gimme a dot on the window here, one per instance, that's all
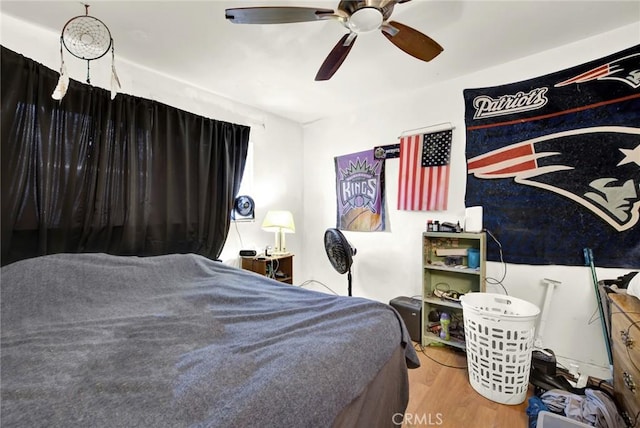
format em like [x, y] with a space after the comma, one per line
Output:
[246, 186]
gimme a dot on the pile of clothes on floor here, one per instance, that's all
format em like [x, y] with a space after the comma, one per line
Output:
[595, 407]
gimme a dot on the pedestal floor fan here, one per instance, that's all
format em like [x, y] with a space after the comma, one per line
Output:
[340, 253]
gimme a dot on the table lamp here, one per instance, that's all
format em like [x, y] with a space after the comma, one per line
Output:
[280, 222]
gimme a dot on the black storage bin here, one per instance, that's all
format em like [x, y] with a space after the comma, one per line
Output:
[410, 310]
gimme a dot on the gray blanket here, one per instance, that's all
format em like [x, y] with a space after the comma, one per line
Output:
[97, 340]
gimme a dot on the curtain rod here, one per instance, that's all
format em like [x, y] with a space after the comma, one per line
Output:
[445, 126]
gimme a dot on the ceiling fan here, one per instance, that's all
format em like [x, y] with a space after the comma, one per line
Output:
[358, 16]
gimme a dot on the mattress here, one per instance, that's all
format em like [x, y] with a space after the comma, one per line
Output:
[181, 340]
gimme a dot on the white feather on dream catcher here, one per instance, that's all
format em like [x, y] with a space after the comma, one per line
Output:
[87, 38]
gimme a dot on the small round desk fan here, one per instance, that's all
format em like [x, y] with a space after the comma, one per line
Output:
[340, 253]
[243, 208]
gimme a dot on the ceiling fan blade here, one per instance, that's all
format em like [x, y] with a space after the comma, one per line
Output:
[411, 41]
[276, 15]
[336, 57]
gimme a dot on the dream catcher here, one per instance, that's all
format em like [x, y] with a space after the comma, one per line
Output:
[87, 38]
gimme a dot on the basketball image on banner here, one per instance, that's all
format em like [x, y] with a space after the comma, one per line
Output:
[360, 192]
[555, 163]
[423, 183]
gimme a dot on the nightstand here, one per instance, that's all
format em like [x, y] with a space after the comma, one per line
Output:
[279, 268]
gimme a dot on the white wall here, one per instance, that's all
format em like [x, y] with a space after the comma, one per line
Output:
[277, 141]
[388, 264]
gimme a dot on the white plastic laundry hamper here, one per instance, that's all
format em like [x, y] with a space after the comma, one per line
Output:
[499, 331]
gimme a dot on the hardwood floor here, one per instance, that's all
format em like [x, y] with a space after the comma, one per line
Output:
[443, 397]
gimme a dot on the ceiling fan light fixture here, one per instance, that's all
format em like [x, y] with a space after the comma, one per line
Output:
[357, 16]
[365, 20]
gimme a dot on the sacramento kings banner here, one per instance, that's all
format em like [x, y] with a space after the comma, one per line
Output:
[555, 163]
[360, 192]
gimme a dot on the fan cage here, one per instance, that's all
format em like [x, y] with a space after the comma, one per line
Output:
[338, 250]
[243, 208]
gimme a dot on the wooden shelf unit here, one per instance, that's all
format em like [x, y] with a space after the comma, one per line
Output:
[438, 276]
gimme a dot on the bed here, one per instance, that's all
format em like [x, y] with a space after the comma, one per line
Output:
[179, 340]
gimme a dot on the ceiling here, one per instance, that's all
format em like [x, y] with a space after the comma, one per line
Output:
[272, 67]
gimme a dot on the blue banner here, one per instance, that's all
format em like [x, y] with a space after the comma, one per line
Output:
[555, 163]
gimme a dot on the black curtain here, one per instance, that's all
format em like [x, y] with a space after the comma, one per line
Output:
[127, 176]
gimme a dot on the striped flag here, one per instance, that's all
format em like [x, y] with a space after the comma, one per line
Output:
[423, 183]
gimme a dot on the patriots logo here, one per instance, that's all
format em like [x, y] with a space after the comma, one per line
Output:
[626, 70]
[598, 168]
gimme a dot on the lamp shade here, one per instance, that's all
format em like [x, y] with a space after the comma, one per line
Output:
[279, 221]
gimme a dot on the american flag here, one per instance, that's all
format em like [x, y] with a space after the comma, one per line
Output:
[423, 183]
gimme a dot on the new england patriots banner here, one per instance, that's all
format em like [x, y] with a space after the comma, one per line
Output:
[555, 163]
[360, 192]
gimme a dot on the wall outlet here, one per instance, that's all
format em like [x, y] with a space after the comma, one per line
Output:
[574, 370]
